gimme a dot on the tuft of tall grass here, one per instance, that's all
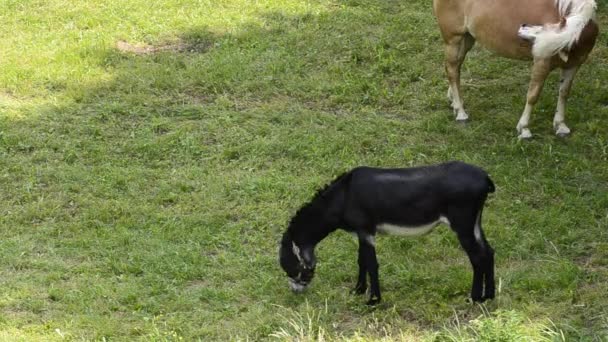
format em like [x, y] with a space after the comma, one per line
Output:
[498, 326]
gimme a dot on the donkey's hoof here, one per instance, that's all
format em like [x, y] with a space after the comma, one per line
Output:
[525, 134]
[478, 299]
[562, 135]
[463, 122]
[359, 290]
[373, 301]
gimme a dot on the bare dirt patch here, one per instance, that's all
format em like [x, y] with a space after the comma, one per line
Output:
[173, 46]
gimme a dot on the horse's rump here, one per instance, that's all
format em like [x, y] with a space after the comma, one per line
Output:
[555, 33]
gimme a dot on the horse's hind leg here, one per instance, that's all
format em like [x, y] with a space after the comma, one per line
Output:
[456, 49]
[565, 84]
[540, 70]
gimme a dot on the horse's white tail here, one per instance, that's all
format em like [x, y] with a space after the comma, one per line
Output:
[553, 39]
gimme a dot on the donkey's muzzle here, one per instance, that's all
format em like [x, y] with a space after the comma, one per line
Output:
[297, 285]
[300, 282]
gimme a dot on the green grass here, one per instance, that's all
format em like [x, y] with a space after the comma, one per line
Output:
[151, 154]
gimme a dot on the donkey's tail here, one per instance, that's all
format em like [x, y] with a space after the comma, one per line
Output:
[558, 38]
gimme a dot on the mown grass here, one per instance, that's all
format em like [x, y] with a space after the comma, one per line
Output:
[152, 153]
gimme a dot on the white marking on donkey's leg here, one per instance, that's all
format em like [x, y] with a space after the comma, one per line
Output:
[371, 240]
[477, 229]
[564, 90]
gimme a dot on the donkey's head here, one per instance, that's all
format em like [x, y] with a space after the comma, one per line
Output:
[298, 262]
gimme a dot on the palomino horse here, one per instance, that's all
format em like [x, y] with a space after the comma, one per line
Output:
[554, 33]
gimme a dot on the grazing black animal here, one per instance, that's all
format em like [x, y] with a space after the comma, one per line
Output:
[407, 201]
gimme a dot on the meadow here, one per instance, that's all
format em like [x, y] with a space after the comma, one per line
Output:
[152, 153]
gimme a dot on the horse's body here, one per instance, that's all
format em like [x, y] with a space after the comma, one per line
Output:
[554, 33]
[403, 201]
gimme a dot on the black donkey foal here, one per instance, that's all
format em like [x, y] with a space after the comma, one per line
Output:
[408, 201]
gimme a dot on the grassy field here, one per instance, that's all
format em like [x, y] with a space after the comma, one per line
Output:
[152, 153]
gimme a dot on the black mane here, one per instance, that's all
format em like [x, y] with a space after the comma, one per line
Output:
[318, 199]
[322, 193]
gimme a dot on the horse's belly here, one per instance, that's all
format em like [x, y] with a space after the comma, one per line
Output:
[501, 40]
[514, 50]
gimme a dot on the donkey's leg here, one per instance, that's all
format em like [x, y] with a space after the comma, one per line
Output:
[466, 222]
[361, 286]
[565, 84]
[473, 249]
[455, 51]
[540, 71]
[489, 290]
[366, 244]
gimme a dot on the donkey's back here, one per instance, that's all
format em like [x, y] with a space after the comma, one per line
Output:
[451, 179]
[411, 197]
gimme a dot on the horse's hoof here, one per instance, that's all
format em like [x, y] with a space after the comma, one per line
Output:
[562, 130]
[462, 122]
[462, 117]
[525, 134]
